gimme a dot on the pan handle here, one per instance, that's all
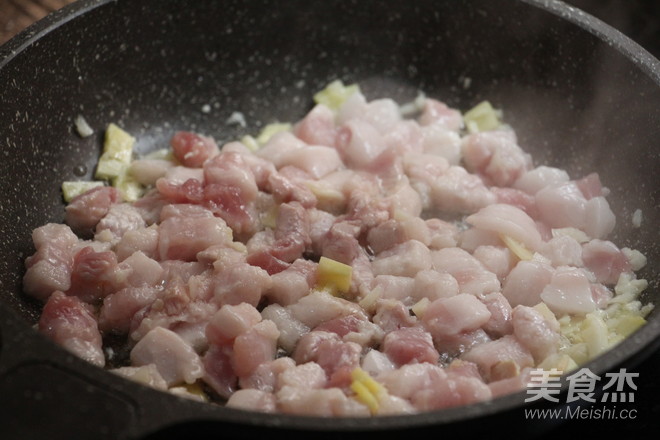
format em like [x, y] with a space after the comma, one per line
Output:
[46, 392]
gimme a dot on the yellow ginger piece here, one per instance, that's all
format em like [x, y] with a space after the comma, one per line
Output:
[628, 324]
[272, 129]
[594, 332]
[334, 275]
[115, 162]
[254, 143]
[117, 153]
[71, 189]
[250, 142]
[366, 389]
[335, 94]
[420, 307]
[518, 249]
[482, 117]
[192, 391]
[128, 187]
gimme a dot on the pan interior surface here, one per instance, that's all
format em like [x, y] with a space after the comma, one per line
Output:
[155, 67]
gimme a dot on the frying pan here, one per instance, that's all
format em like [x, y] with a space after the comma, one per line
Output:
[580, 95]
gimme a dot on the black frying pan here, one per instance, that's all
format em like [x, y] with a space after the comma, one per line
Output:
[580, 95]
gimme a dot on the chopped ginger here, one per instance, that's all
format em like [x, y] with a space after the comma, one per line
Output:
[117, 153]
[517, 248]
[71, 189]
[628, 324]
[334, 275]
[270, 130]
[482, 117]
[420, 307]
[366, 389]
[128, 187]
[335, 94]
[192, 391]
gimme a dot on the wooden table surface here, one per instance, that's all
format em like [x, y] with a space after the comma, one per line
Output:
[16, 15]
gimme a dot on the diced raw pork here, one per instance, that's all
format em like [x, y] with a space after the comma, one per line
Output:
[405, 259]
[49, 268]
[340, 243]
[317, 127]
[291, 330]
[569, 291]
[324, 402]
[265, 376]
[175, 360]
[320, 306]
[457, 191]
[93, 275]
[146, 375]
[526, 281]
[506, 349]
[500, 322]
[591, 186]
[254, 347]
[517, 198]
[150, 205]
[439, 141]
[336, 357]
[315, 160]
[538, 334]
[564, 205]
[69, 322]
[218, 370]
[438, 113]
[359, 143]
[376, 362]
[147, 171]
[230, 321]
[181, 238]
[391, 315]
[471, 275]
[442, 234]
[192, 149]
[391, 232]
[496, 259]
[119, 308]
[455, 314]
[139, 270]
[253, 400]
[394, 287]
[510, 221]
[513, 384]
[292, 283]
[144, 240]
[241, 282]
[432, 285]
[538, 178]
[496, 156]
[278, 146]
[84, 212]
[456, 390]
[562, 250]
[307, 375]
[119, 219]
[410, 345]
[353, 328]
[463, 259]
